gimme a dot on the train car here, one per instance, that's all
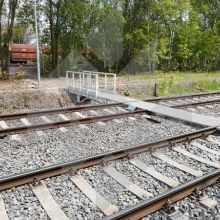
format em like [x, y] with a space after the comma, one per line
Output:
[22, 53]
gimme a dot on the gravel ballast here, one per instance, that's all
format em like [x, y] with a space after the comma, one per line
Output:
[33, 99]
[22, 204]
[56, 146]
[71, 200]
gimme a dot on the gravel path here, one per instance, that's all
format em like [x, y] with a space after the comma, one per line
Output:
[208, 109]
[201, 153]
[55, 147]
[195, 211]
[211, 110]
[209, 144]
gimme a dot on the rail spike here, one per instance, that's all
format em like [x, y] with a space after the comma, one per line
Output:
[130, 156]
[72, 172]
[169, 208]
[197, 194]
[36, 182]
[103, 163]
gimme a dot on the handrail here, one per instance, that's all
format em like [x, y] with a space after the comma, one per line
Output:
[89, 82]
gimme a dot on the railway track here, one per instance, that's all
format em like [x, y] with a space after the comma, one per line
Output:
[175, 190]
[16, 180]
[82, 172]
[159, 202]
[103, 106]
[65, 121]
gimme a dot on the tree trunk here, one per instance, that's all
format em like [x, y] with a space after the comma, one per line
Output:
[1, 9]
[54, 14]
[5, 48]
[172, 35]
[56, 38]
[5, 58]
[93, 60]
[51, 33]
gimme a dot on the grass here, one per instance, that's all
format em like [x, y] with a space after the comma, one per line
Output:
[175, 83]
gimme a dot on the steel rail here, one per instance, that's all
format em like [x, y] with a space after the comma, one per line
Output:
[59, 110]
[183, 96]
[59, 124]
[93, 107]
[74, 165]
[196, 103]
[156, 203]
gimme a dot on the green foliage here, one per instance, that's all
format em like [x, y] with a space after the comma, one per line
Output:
[127, 93]
[20, 34]
[166, 35]
[5, 75]
[19, 74]
[45, 64]
[169, 88]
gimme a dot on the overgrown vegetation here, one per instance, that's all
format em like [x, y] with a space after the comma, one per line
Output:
[168, 84]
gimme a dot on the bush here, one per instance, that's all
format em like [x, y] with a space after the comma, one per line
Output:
[127, 93]
[5, 75]
[19, 75]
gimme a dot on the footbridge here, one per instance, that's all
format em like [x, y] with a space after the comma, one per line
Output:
[103, 86]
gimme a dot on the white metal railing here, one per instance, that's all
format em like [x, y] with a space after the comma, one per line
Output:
[90, 83]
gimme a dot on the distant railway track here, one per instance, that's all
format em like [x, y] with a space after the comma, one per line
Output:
[196, 104]
[88, 120]
[56, 111]
[66, 123]
[102, 106]
[184, 96]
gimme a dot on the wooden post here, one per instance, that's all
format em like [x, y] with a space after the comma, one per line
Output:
[155, 90]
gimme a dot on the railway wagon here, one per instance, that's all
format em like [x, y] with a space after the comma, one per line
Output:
[22, 53]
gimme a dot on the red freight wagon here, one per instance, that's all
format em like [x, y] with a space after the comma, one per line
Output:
[23, 52]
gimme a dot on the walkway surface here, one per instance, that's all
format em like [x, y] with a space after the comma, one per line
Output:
[163, 110]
